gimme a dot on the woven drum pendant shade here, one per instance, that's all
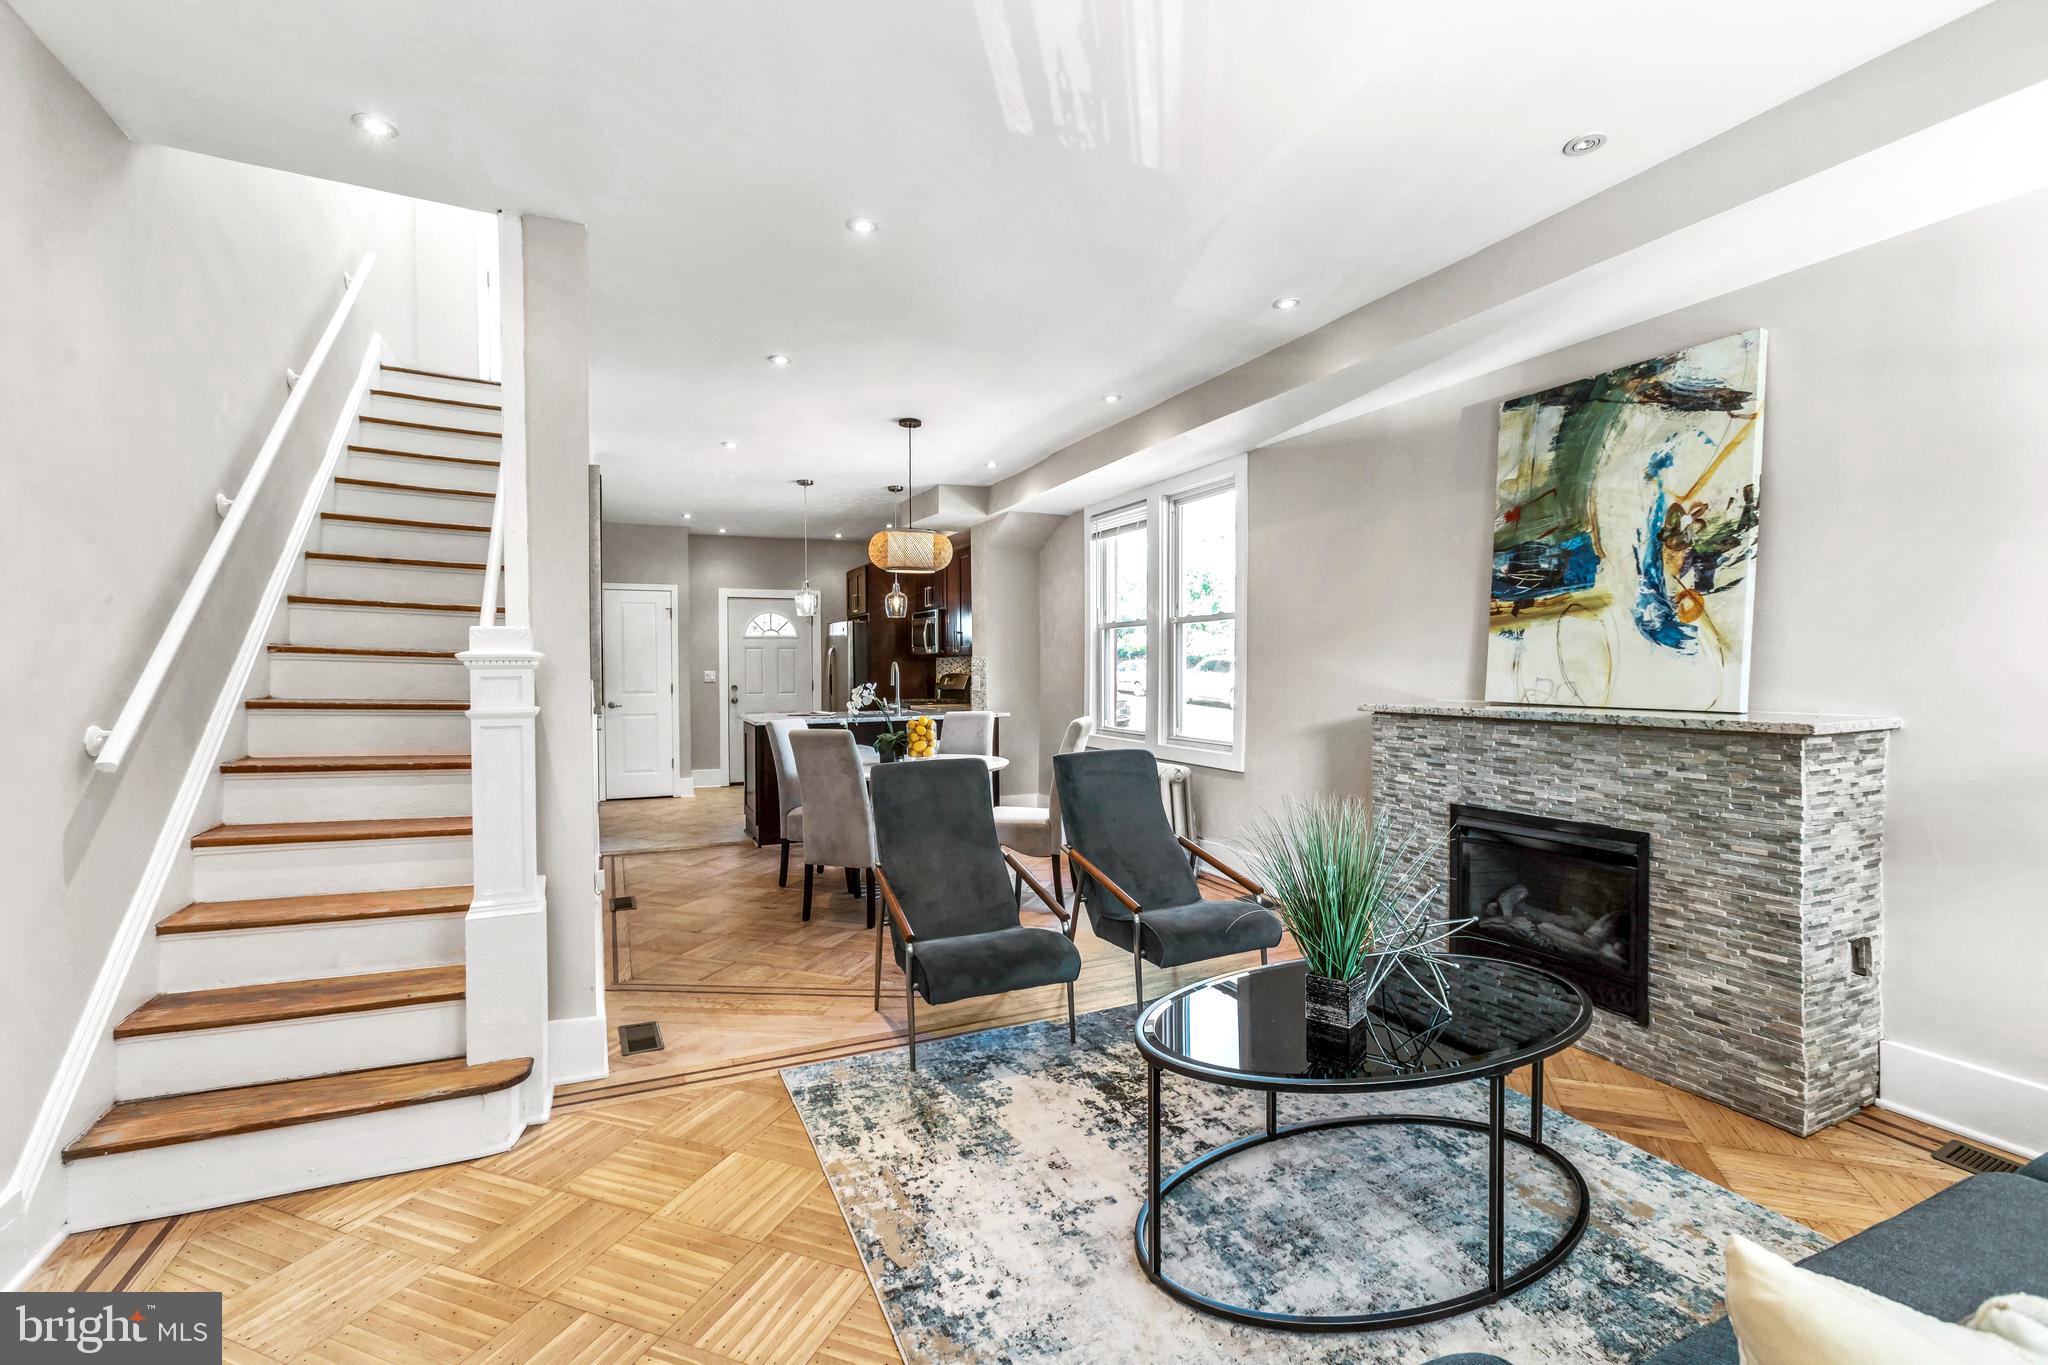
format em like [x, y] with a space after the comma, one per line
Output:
[909, 550]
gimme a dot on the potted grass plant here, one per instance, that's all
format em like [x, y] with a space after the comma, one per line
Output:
[1359, 905]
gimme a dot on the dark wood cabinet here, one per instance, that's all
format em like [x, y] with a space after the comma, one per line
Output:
[857, 591]
[959, 590]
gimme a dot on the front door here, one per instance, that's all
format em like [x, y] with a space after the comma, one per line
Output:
[639, 692]
[768, 666]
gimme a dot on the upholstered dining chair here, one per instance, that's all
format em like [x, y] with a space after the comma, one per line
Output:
[788, 789]
[1136, 877]
[968, 732]
[839, 823]
[1035, 831]
[952, 917]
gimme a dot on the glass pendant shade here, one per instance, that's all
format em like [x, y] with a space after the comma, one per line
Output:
[807, 601]
[806, 598]
[896, 605]
[909, 551]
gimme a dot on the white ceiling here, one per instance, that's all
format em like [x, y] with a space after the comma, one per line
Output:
[1076, 197]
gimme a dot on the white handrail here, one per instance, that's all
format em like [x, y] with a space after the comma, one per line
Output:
[494, 556]
[110, 747]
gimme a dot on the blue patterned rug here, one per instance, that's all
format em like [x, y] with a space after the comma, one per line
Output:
[992, 1196]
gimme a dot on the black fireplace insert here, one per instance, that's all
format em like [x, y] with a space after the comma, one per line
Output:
[1570, 897]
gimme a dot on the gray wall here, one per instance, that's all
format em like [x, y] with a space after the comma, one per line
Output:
[1903, 487]
[659, 554]
[557, 292]
[1006, 639]
[152, 302]
[1063, 632]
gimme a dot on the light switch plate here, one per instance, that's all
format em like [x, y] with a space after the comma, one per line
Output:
[710, 675]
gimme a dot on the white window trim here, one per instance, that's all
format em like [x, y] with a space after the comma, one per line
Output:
[1159, 634]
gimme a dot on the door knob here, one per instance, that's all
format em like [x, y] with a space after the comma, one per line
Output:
[613, 705]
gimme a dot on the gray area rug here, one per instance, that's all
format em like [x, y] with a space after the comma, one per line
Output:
[992, 1197]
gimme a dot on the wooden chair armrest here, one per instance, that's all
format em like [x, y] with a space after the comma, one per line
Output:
[1095, 875]
[1038, 888]
[1225, 868]
[895, 908]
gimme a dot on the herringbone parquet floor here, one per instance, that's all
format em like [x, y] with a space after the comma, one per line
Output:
[675, 1214]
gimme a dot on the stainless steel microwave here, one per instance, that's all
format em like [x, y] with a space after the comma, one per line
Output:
[925, 630]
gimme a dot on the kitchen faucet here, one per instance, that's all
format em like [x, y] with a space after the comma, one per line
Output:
[896, 683]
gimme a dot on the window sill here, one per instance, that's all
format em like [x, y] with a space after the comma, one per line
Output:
[1194, 756]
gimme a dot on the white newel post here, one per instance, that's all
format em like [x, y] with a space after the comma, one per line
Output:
[506, 930]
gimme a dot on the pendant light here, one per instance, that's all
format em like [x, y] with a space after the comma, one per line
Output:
[807, 596]
[908, 550]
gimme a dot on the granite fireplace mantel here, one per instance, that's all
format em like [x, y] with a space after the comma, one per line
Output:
[1766, 889]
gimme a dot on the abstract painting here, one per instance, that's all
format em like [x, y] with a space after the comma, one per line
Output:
[1624, 540]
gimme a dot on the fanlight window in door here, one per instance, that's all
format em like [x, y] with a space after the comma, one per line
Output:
[769, 625]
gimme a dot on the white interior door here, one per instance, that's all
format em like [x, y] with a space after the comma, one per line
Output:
[639, 692]
[768, 666]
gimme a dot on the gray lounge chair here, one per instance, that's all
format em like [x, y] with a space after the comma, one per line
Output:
[952, 914]
[1136, 877]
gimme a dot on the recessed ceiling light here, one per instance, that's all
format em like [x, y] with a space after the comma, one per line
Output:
[1287, 303]
[1584, 143]
[383, 129]
[862, 226]
[730, 445]
[991, 464]
[1112, 398]
[838, 535]
[888, 526]
[686, 516]
[778, 359]
[721, 530]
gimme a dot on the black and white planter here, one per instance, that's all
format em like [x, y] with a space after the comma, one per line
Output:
[1339, 1004]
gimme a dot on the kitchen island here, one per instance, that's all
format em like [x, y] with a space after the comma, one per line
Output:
[762, 801]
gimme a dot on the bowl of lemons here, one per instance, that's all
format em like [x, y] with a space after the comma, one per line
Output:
[921, 738]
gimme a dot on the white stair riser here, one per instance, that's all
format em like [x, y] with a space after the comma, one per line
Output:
[244, 957]
[393, 582]
[343, 675]
[270, 798]
[368, 627]
[273, 733]
[361, 464]
[214, 1059]
[426, 442]
[385, 502]
[233, 874]
[160, 1181]
[401, 542]
[439, 414]
[468, 390]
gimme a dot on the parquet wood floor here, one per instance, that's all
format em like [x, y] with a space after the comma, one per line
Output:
[675, 1214]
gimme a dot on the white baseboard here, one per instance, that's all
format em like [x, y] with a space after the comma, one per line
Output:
[576, 1050]
[685, 786]
[1974, 1101]
[707, 778]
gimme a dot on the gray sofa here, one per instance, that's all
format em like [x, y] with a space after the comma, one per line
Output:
[1987, 1235]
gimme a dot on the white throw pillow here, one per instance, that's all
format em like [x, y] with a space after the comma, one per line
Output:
[1785, 1315]
[2021, 1319]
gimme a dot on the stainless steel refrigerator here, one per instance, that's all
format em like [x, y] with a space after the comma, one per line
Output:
[846, 662]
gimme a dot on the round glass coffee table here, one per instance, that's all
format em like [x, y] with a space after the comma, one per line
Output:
[1250, 1030]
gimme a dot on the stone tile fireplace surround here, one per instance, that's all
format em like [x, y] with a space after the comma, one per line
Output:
[1766, 876]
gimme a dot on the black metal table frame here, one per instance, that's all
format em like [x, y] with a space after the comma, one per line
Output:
[1499, 1284]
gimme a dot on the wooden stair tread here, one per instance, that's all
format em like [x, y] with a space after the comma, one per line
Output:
[359, 519]
[136, 1125]
[348, 763]
[438, 374]
[433, 398]
[232, 1006]
[421, 455]
[356, 704]
[429, 426]
[365, 651]
[332, 831]
[330, 557]
[386, 604]
[431, 489]
[279, 912]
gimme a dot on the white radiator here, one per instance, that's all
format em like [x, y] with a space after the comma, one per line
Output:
[1178, 797]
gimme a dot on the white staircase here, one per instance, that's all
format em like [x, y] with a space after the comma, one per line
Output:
[313, 1020]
